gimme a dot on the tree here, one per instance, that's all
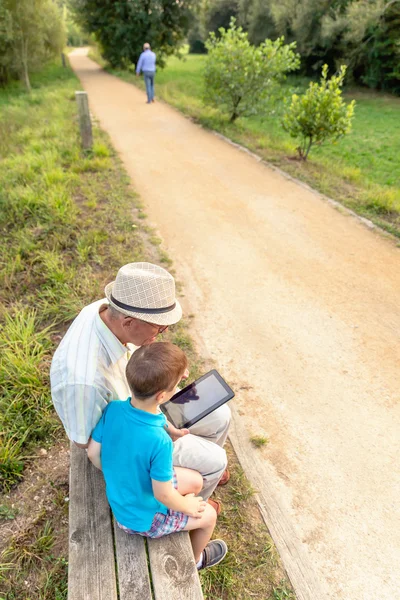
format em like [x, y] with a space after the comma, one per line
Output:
[319, 114]
[219, 14]
[260, 23]
[31, 32]
[240, 78]
[381, 67]
[122, 27]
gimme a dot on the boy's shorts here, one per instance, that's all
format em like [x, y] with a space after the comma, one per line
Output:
[163, 524]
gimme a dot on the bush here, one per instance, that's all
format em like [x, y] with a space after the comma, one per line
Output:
[241, 78]
[320, 113]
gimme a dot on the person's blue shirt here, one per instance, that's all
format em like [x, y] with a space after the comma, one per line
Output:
[146, 62]
[135, 448]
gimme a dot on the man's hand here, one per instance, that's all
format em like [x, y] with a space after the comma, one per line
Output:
[175, 433]
[185, 374]
[195, 506]
[137, 75]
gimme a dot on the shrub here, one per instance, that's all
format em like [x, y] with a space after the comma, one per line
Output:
[241, 78]
[320, 114]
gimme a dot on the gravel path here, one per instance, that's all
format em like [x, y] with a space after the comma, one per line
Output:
[298, 304]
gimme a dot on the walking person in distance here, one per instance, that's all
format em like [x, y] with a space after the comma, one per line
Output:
[147, 65]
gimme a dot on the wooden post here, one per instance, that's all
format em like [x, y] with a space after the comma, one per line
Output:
[64, 62]
[85, 123]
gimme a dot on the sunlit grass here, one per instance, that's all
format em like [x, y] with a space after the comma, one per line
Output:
[59, 208]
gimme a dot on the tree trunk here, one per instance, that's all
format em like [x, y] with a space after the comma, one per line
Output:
[24, 61]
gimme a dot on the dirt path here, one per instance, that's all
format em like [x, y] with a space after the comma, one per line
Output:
[299, 306]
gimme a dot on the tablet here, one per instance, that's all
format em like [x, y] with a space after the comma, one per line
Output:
[197, 400]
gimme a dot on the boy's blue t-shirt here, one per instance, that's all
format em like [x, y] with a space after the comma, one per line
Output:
[135, 448]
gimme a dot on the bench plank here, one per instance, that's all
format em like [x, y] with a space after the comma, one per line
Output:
[91, 567]
[173, 569]
[133, 575]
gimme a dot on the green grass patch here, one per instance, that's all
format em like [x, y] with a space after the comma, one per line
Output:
[362, 170]
[66, 224]
[259, 441]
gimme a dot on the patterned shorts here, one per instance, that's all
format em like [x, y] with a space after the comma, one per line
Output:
[163, 524]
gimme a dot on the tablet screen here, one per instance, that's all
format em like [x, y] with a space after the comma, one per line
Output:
[197, 400]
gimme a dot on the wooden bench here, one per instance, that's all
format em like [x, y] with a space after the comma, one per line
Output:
[105, 563]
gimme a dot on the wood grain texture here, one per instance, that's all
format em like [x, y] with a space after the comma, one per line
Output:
[91, 566]
[293, 552]
[133, 574]
[173, 569]
[85, 122]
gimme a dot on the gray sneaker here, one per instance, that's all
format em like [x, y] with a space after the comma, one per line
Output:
[213, 553]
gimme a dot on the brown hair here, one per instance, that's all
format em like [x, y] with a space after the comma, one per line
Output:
[155, 368]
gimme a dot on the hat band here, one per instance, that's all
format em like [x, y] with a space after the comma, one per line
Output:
[148, 311]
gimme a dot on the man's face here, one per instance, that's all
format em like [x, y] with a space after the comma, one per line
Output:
[141, 333]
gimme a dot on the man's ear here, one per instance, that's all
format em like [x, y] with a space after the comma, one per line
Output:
[127, 321]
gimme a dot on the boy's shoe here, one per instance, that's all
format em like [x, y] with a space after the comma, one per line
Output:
[216, 505]
[213, 553]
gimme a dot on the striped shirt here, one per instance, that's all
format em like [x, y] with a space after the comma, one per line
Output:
[87, 372]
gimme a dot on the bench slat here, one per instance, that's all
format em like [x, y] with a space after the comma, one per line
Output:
[133, 576]
[91, 567]
[173, 569]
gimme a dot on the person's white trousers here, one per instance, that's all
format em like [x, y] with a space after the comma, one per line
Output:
[202, 450]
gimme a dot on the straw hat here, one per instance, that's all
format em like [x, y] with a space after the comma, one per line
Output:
[146, 292]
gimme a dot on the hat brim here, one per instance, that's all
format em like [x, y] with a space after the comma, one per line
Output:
[169, 318]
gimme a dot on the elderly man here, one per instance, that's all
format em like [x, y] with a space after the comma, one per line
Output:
[147, 64]
[88, 367]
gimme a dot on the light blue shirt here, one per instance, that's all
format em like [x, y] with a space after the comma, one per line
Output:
[146, 62]
[135, 448]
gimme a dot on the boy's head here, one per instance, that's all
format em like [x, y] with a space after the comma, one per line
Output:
[155, 368]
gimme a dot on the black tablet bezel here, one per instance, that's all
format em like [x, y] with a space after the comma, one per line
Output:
[229, 395]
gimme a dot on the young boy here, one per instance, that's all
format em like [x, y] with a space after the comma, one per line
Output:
[147, 495]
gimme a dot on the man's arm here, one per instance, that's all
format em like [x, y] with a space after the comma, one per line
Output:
[82, 445]
[79, 407]
[139, 64]
[166, 494]
[94, 452]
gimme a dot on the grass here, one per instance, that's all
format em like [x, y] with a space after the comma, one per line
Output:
[259, 441]
[69, 220]
[362, 171]
[67, 224]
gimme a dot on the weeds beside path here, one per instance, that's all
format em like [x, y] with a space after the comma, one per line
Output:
[68, 221]
[362, 171]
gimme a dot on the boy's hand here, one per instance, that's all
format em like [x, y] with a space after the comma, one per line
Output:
[175, 433]
[195, 506]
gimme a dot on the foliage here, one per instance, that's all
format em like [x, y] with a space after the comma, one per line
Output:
[196, 37]
[219, 14]
[240, 78]
[379, 64]
[320, 114]
[121, 28]
[364, 34]
[31, 32]
[260, 22]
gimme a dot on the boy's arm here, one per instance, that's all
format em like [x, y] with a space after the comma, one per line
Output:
[175, 433]
[166, 494]
[94, 451]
